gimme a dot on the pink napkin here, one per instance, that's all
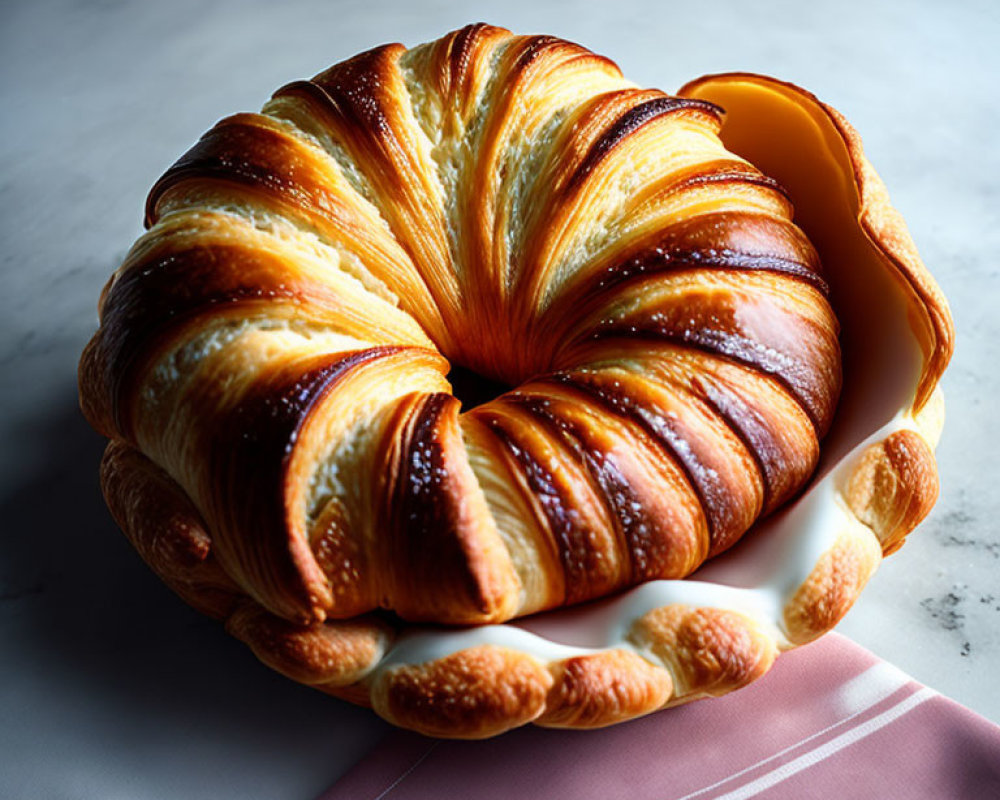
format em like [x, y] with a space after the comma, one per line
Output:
[829, 721]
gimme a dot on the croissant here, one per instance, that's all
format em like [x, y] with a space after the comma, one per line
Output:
[651, 282]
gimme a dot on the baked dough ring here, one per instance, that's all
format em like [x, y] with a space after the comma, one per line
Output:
[272, 344]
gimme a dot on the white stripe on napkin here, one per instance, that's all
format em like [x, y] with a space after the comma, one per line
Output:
[824, 751]
[854, 698]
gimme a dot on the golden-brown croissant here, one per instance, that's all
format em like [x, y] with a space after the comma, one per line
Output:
[287, 453]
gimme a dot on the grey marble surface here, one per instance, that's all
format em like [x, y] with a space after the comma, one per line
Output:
[109, 686]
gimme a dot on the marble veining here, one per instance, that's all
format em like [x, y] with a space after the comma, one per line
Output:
[109, 685]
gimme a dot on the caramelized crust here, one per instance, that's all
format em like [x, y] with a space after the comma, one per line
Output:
[473, 694]
[833, 585]
[166, 530]
[599, 690]
[708, 651]
[286, 450]
[894, 487]
[328, 655]
[445, 561]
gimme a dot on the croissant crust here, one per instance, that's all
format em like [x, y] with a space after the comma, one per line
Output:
[286, 451]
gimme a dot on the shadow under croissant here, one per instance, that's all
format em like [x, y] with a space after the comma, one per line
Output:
[96, 645]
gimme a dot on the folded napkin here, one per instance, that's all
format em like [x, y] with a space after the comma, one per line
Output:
[829, 721]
